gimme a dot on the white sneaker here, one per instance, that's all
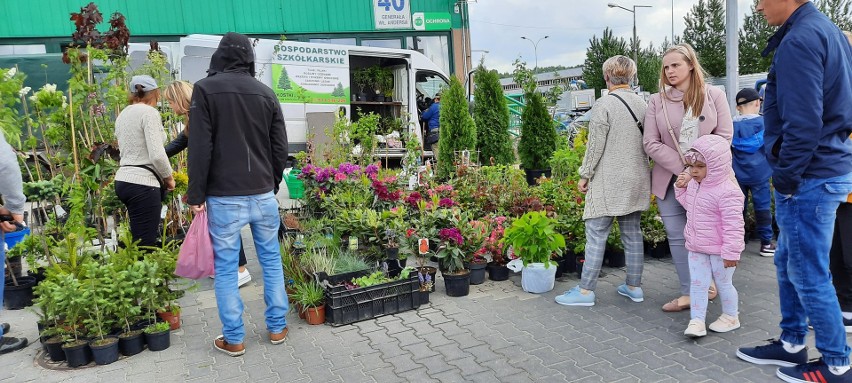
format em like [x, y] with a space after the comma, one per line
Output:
[244, 277]
[725, 323]
[695, 329]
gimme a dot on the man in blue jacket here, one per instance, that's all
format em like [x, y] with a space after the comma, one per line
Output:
[432, 117]
[808, 116]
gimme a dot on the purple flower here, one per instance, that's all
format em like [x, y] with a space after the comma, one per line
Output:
[451, 234]
[371, 169]
[348, 168]
[446, 203]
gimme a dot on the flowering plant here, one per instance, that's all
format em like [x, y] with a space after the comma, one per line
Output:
[492, 246]
[653, 230]
[450, 251]
[387, 192]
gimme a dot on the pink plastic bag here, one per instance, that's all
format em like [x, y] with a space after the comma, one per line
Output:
[195, 260]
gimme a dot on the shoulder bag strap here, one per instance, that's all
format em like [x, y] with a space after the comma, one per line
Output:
[163, 191]
[671, 131]
[638, 123]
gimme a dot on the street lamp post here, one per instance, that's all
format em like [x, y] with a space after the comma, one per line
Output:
[535, 47]
[635, 41]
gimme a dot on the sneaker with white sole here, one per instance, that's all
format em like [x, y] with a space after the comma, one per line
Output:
[767, 250]
[847, 323]
[773, 353]
[725, 323]
[575, 297]
[634, 293]
[695, 329]
[816, 371]
[244, 277]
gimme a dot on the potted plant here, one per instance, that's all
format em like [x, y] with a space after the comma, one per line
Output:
[387, 84]
[47, 294]
[534, 238]
[451, 258]
[538, 139]
[73, 305]
[474, 233]
[377, 80]
[157, 334]
[311, 297]
[654, 232]
[361, 77]
[100, 317]
[125, 296]
[492, 247]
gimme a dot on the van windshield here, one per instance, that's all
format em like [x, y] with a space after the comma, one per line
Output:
[428, 85]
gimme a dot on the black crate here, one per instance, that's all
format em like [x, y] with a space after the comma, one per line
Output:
[348, 306]
[337, 279]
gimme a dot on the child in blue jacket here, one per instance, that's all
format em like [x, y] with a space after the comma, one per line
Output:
[750, 165]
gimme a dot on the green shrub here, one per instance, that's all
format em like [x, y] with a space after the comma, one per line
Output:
[458, 131]
[538, 134]
[492, 119]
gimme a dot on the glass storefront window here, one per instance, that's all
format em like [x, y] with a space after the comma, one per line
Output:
[384, 43]
[342, 41]
[436, 48]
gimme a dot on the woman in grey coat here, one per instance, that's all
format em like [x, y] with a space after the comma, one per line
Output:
[615, 176]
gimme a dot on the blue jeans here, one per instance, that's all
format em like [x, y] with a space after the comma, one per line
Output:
[806, 220]
[226, 216]
[762, 200]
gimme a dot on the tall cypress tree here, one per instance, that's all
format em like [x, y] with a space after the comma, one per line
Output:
[705, 31]
[538, 134]
[492, 119]
[458, 132]
[753, 36]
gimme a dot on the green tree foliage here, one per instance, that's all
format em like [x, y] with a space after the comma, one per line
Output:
[599, 50]
[338, 90]
[705, 31]
[458, 131]
[284, 79]
[538, 134]
[492, 119]
[839, 11]
[648, 67]
[753, 36]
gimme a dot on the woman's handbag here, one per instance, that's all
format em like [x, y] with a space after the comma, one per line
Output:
[195, 260]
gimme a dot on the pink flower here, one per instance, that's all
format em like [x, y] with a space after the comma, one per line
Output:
[339, 177]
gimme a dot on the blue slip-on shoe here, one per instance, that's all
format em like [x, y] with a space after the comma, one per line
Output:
[816, 371]
[574, 297]
[773, 353]
[635, 295]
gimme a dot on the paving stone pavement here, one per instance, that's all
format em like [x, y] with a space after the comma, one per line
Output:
[497, 333]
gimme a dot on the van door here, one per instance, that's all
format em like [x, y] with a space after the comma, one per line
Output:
[427, 84]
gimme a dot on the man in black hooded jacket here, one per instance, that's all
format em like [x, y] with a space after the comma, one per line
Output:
[237, 156]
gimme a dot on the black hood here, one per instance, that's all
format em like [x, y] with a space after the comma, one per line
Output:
[234, 54]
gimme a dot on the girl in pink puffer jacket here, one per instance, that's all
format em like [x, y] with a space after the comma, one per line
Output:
[714, 230]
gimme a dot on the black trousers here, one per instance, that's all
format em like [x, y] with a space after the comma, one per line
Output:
[841, 256]
[143, 206]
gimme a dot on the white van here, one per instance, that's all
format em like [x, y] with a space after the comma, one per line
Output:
[315, 82]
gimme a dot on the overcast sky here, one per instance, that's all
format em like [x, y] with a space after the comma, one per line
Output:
[497, 26]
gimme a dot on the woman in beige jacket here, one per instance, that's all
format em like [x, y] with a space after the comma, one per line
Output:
[685, 109]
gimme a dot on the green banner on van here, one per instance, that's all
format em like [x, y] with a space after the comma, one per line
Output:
[431, 21]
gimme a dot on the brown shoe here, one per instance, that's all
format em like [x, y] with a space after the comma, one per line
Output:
[674, 306]
[278, 338]
[231, 349]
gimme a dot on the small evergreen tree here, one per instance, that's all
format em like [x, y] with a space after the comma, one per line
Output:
[458, 131]
[338, 90]
[538, 134]
[283, 79]
[705, 31]
[753, 36]
[492, 119]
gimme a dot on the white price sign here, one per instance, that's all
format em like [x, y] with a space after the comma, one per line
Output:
[392, 14]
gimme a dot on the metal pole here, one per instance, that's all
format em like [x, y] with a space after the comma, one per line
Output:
[635, 43]
[672, 22]
[732, 67]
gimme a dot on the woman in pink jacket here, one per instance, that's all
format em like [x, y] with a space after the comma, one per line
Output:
[686, 109]
[714, 230]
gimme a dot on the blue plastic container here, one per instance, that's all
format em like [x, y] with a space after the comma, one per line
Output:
[13, 238]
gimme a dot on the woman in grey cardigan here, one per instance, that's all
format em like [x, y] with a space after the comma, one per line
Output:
[615, 176]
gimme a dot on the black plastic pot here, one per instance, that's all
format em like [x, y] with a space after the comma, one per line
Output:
[395, 266]
[392, 253]
[158, 341]
[579, 265]
[77, 355]
[39, 276]
[20, 296]
[105, 353]
[457, 285]
[477, 272]
[661, 250]
[560, 269]
[614, 257]
[54, 349]
[131, 343]
[15, 266]
[424, 297]
[534, 174]
[497, 272]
